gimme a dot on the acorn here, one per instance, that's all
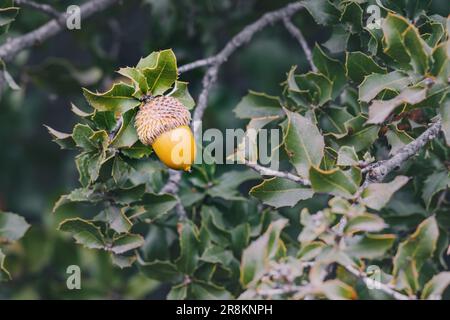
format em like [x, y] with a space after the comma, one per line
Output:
[163, 123]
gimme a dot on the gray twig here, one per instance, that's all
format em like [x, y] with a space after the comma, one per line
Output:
[377, 171]
[280, 174]
[13, 46]
[297, 34]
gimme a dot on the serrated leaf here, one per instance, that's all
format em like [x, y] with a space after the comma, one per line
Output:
[304, 143]
[84, 232]
[118, 99]
[377, 195]
[126, 243]
[336, 182]
[12, 226]
[417, 49]
[393, 27]
[277, 192]
[331, 68]
[256, 257]
[379, 110]
[181, 93]
[359, 65]
[375, 83]
[138, 79]
[413, 253]
[256, 105]
[137, 151]
[88, 166]
[160, 71]
[81, 135]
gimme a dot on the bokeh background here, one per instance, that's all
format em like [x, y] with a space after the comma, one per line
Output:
[34, 172]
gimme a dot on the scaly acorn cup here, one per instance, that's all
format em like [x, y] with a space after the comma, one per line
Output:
[163, 123]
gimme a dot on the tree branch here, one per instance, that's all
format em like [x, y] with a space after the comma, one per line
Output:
[13, 46]
[280, 174]
[376, 284]
[378, 171]
[244, 36]
[45, 8]
[297, 34]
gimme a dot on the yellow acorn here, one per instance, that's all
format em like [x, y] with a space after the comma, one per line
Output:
[163, 123]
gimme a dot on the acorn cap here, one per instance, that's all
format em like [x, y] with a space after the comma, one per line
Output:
[159, 115]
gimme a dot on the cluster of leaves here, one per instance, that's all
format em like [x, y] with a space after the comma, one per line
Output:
[8, 13]
[372, 93]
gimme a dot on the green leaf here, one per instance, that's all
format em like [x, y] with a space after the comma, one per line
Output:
[369, 246]
[164, 271]
[352, 16]
[360, 139]
[12, 226]
[88, 165]
[4, 273]
[84, 232]
[311, 88]
[365, 222]
[417, 49]
[336, 182]
[127, 136]
[377, 195]
[160, 71]
[128, 195]
[375, 83]
[310, 250]
[337, 290]
[189, 248]
[338, 40]
[397, 139]
[393, 27]
[118, 99]
[256, 257]
[201, 290]
[138, 79]
[178, 292]
[445, 117]
[347, 156]
[379, 110]
[137, 151]
[156, 206]
[304, 143]
[116, 219]
[7, 15]
[126, 243]
[435, 183]
[78, 195]
[256, 105]
[331, 68]
[227, 184]
[277, 192]
[413, 253]
[359, 65]
[323, 11]
[82, 136]
[181, 93]
[434, 288]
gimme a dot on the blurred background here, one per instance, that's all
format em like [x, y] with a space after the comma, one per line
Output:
[34, 172]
